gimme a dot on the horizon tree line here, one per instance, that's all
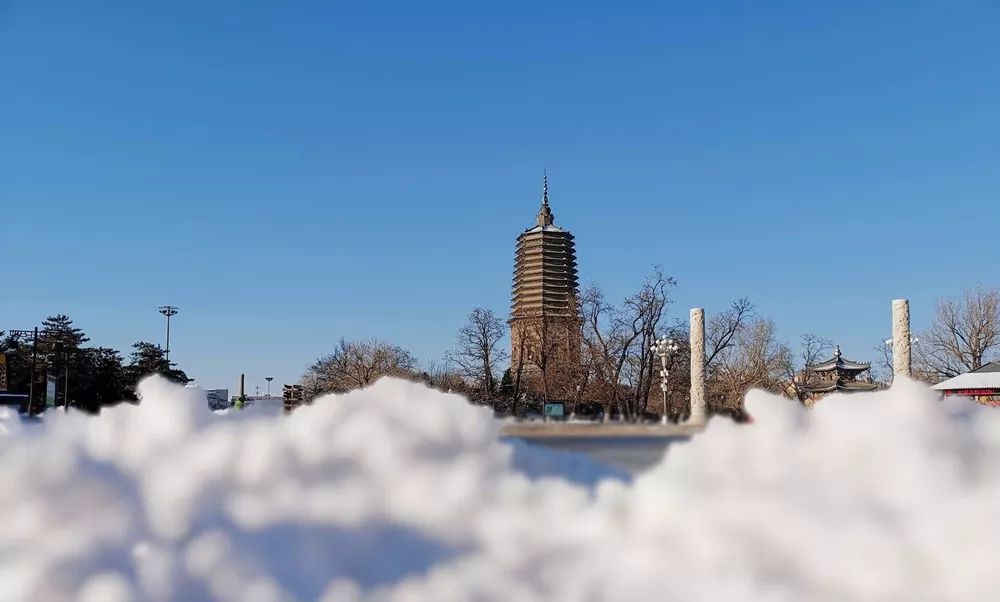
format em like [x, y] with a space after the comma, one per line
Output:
[618, 374]
[91, 377]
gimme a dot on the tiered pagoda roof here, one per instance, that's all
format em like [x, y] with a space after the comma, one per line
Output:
[545, 276]
[837, 374]
[841, 364]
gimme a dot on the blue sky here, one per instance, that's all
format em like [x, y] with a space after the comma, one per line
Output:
[290, 173]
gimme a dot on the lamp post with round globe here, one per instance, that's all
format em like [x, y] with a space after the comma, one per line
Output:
[665, 348]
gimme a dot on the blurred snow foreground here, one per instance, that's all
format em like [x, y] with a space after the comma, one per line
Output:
[398, 492]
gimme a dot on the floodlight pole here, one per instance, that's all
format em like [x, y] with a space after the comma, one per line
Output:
[168, 311]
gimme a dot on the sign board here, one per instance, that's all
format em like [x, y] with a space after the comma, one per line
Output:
[50, 391]
[554, 409]
[3, 372]
[218, 399]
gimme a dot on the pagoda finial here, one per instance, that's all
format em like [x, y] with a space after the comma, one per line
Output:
[837, 352]
[545, 217]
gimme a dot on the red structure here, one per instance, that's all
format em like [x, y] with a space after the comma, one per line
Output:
[981, 384]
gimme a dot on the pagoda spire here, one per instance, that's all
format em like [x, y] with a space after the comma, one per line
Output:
[545, 216]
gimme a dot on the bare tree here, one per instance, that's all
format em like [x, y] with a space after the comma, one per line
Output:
[965, 334]
[357, 364]
[477, 352]
[444, 377]
[883, 370]
[520, 356]
[723, 327]
[608, 339]
[755, 360]
[619, 340]
[811, 350]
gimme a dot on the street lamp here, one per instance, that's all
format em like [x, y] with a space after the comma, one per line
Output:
[665, 348]
[168, 311]
[269, 379]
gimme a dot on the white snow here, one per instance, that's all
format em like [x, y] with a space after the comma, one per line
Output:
[402, 493]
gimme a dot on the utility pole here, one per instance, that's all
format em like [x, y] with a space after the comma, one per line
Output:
[34, 364]
[66, 382]
[34, 361]
[168, 311]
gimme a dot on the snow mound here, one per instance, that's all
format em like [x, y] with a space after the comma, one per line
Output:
[401, 493]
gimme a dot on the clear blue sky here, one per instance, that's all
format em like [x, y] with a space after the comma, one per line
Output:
[290, 173]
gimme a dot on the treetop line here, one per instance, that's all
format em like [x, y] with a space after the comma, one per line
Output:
[596, 357]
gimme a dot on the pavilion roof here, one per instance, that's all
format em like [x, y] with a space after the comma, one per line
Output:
[850, 386]
[839, 362]
[985, 377]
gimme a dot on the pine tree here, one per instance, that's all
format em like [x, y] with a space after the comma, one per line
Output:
[149, 358]
[59, 328]
[18, 358]
[507, 385]
[100, 379]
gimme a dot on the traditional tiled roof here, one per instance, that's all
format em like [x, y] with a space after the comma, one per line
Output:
[847, 386]
[985, 377]
[840, 363]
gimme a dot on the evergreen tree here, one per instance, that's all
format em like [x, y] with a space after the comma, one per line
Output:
[149, 358]
[90, 377]
[506, 385]
[18, 355]
[100, 379]
[59, 329]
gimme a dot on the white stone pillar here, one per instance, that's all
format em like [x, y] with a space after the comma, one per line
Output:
[901, 338]
[697, 366]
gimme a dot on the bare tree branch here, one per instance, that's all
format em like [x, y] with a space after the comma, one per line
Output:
[357, 364]
[477, 353]
[965, 334]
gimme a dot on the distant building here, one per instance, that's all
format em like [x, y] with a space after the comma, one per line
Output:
[981, 384]
[836, 375]
[545, 324]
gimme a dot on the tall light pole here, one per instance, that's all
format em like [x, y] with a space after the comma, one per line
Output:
[665, 348]
[269, 379]
[168, 311]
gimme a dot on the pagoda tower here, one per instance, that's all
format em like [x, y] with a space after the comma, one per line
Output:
[545, 323]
